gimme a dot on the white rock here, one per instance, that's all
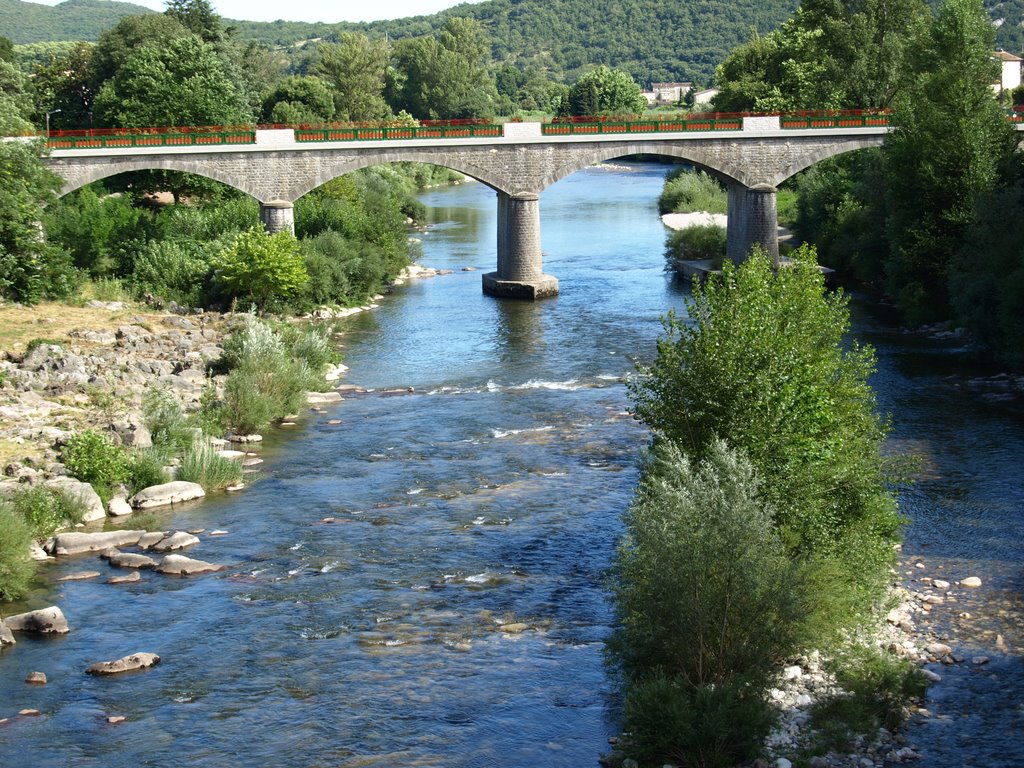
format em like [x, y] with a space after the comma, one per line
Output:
[36, 552]
[166, 494]
[82, 492]
[930, 676]
[321, 398]
[180, 565]
[792, 673]
[231, 454]
[46, 620]
[177, 540]
[6, 636]
[938, 649]
[940, 584]
[970, 581]
[783, 763]
[126, 664]
[118, 507]
[75, 543]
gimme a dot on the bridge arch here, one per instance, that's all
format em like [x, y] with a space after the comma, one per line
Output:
[807, 159]
[86, 174]
[726, 172]
[349, 164]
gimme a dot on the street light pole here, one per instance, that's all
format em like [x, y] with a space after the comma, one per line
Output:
[52, 112]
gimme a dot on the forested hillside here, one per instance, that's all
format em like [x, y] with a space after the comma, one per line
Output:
[651, 39]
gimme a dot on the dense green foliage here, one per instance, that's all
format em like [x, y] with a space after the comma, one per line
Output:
[700, 242]
[687, 191]
[258, 267]
[47, 509]
[765, 366]
[764, 520]
[950, 142]
[94, 458]
[16, 567]
[708, 602]
[604, 91]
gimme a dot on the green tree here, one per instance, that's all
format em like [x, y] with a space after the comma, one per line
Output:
[949, 144]
[987, 279]
[765, 365]
[605, 91]
[6, 49]
[446, 76]
[355, 69]
[64, 83]
[117, 44]
[182, 83]
[15, 103]
[198, 17]
[299, 99]
[706, 599]
[29, 268]
[261, 267]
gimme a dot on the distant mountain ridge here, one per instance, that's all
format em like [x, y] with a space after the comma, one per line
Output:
[654, 40]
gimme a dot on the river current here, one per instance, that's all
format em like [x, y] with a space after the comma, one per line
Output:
[423, 583]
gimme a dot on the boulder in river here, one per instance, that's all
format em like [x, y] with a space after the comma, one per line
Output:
[76, 543]
[120, 559]
[83, 492]
[119, 507]
[166, 493]
[127, 664]
[177, 540]
[179, 565]
[6, 636]
[46, 620]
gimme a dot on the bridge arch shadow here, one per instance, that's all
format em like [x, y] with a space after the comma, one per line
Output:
[100, 171]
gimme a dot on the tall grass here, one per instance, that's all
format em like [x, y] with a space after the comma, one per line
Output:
[202, 464]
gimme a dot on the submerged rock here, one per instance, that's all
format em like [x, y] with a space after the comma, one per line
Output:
[120, 559]
[128, 579]
[46, 620]
[127, 664]
[167, 493]
[179, 565]
[76, 543]
[177, 540]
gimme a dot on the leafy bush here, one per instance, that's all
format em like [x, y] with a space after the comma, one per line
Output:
[92, 457]
[261, 267]
[47, 509]
[201, 463]
[164, 417]
[711, 726]
[704, 589]
[765, 364]
[689, 191]
[146, 468]
[174, 270]
[696, 243]
[877, 688]
[16, 566]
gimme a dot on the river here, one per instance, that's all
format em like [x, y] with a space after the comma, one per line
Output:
[422, 584]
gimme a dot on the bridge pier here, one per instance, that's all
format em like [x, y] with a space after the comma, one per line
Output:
[753, 220]
[277, 216]
[520, 273]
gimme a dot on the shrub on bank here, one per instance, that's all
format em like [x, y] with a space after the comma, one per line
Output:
[687, 191]
[46, 509]
[708, 603]
[202, 464]
[16, 566]
[94, 458]
[697, 243]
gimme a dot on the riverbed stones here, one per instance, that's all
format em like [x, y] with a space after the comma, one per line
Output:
[120, 559]
[49, 621]
[323, 398]
[83, 493]
[126, 664]
[75, 543]
[129, 578]
[938, 650]
[177, 540]
[970, 581]
[6, 636]
[36, 678]
[147, 540]
[80, 576]
[166, 494]
[179, 565]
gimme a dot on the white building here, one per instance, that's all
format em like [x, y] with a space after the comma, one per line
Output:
[1010, 74]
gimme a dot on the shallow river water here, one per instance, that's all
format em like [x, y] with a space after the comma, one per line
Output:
[453, 612]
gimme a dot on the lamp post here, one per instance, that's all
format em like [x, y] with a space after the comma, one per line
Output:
[52, 112]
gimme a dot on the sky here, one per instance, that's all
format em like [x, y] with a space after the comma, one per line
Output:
[314, 10]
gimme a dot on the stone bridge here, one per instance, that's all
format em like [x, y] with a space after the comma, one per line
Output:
[751, 160]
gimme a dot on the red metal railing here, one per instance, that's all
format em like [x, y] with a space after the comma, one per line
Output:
[182, 136]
